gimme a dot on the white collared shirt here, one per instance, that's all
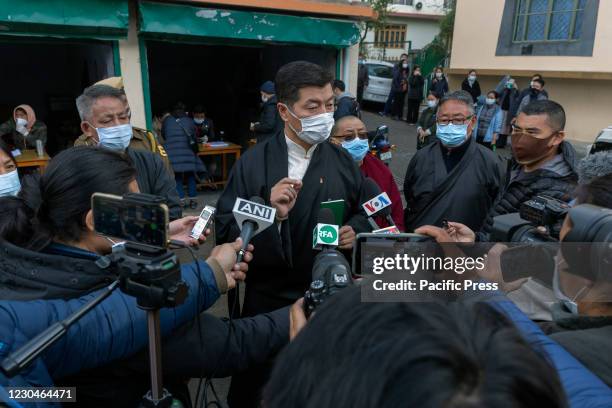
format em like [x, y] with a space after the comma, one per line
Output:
[298, 159]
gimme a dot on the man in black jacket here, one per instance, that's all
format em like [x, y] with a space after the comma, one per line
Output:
[544, 164]
[105, 119]
[346, 104]
[270, 122]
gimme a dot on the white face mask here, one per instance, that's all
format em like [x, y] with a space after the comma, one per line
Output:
[115, 137]
[198, 121]
[21, 122]
[9, 184]
[432, 104]
[264, 99]
[315, 129]
[404, 66]
[569, 303]
[490, 101]
[438, 75]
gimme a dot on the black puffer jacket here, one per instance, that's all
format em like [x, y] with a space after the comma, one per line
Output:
[558, 182]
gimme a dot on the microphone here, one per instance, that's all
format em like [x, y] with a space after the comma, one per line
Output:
[379, 205]
[252, 216]
[325, 233]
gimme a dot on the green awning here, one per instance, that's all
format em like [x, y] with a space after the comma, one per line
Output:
[100, 19]
[181, 22]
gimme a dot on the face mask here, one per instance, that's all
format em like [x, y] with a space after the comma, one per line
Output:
[404, 66]
[9, 184]
[432, 104]
[509, 85]
[315, 129]
[438, 75]
[490, 101]
[264, 99]
[472, 78]
[569, 303]
[528, 150]
[531, 84]
[357, 148]
[452, 135]
[115, 137]
[198, 121]
[21, 122]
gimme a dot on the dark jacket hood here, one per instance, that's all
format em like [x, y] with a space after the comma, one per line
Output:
[28, 275]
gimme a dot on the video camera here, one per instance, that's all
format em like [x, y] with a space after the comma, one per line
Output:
[331, 271]
[541, 211]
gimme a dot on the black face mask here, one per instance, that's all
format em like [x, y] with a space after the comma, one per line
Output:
[534, 92]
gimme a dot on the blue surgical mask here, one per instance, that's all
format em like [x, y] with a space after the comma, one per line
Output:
[115, 137]
[452, 135]
[357, 148]
[490, 101]
[9, 184]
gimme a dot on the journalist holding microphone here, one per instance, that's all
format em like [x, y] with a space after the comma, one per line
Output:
[50, 251]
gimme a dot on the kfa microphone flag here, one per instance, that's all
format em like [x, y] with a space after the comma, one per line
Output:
[376, 204]
[325, 235]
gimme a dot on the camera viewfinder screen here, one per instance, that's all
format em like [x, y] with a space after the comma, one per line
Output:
[130, 222]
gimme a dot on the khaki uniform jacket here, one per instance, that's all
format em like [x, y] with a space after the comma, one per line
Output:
[141, 140]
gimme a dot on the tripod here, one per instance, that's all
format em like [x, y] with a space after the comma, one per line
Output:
[151, 275]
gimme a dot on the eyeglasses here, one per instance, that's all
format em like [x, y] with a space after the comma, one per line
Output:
[455, 121]
[350, 136]
[517, 131]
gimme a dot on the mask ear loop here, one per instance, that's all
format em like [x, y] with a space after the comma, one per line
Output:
[289, 123]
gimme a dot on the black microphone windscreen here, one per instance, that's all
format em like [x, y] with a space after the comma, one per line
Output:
[326, 216]
[370, 189]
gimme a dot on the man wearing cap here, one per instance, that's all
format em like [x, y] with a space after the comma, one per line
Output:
[270, 122]
[142, 139]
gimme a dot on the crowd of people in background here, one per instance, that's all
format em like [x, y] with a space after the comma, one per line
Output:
[311, 146]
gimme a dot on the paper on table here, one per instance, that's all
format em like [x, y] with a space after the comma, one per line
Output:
[218, 144]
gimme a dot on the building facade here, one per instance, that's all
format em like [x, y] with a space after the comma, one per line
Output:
[409, 27]
[566, 41]
[215, 53]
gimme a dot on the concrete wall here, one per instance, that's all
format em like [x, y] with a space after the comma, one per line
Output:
[477, 24]
[129, 55]
[586, 102]
[421, 32]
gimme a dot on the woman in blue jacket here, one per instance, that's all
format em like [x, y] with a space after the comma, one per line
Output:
[489, 119]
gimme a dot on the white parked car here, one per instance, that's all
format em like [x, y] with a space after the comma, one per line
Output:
[603, 141]
[381, 76]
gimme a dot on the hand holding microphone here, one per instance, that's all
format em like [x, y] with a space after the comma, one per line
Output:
[252, 216]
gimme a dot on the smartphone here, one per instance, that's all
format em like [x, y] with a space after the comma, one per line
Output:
[369, 245]
[138, 218]
[203, 222]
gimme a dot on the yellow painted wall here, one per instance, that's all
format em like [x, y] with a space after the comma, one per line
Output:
[476, 32]
[587, 103]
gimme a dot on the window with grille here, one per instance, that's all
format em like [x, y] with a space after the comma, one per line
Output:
[548, 20]
[404, 2]
[392, 36]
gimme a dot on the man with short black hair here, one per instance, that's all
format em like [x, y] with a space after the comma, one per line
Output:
[454, 177]
[534, 93]
[543, 164]
[346, 104]
[388, 355]
[294, 172]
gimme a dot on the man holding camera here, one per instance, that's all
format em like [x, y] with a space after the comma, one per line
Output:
[544, 163]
